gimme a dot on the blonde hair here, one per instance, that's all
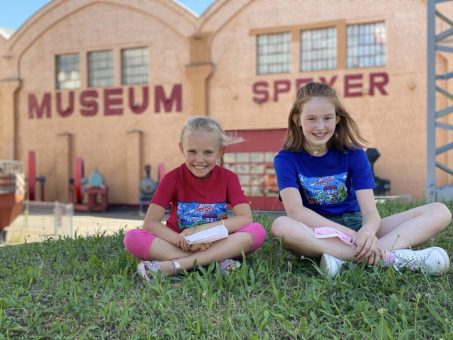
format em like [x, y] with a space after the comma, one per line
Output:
[210, 125]
[346, 135]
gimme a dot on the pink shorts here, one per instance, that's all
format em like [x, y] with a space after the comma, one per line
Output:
[138, 241]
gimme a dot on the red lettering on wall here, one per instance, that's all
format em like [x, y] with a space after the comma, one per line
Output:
[261, 93]
[135, 108]
[111, 99]
[70, 108]
[350, 84]
[88, 103]
[39, 110]
[168, 103]
[302, 81]
[281, 86]
[331, 82]
[378, 80]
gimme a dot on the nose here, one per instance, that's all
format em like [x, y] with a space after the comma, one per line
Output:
[319, 124]
[199, 158]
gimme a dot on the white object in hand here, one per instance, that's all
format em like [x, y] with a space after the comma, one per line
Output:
[208, 235]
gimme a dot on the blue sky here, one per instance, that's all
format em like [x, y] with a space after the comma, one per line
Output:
[13, 13]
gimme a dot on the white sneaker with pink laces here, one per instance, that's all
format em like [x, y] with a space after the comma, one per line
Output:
[433, 260]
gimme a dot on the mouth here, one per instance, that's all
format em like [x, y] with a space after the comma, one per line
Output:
[200, 167]
[320, 135]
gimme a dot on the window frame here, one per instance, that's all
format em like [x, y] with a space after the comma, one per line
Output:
[96, 83]
[144, 79]
[287, 64]
[59, 84]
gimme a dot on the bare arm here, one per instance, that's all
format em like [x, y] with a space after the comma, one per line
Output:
[370, 214]
[292, 201]
[366, 237]
[153, 223]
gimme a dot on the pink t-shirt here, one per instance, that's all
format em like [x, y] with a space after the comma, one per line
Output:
[194, 201]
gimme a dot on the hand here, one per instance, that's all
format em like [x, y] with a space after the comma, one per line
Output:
[181, 242]
[199, 247]
[366, 246]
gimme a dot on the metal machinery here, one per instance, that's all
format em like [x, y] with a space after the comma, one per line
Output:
[381, 185]
[439, 46]
[87, 194]
[148, 186]
[12, 193]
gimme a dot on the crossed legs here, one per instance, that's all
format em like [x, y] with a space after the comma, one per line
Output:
[146, 246]
[402, 230]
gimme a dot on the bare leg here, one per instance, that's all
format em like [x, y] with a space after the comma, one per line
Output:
[232, 246]
[300, 238]
[413, 227]
[162, 250]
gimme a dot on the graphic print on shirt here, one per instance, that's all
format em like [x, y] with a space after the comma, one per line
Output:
[192, 214]
[325, 190]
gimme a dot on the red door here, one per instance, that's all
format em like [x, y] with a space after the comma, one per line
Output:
[253, 161]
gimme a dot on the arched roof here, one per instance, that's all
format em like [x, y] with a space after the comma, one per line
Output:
[170, 13]
[221, 13]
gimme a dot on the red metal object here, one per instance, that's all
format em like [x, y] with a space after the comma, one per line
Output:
[83, 196]
[31, 175]
[97, 200]
[78, 176]
[10, 207]
[12, 189]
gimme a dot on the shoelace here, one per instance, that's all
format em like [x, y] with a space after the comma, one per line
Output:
[410, 260]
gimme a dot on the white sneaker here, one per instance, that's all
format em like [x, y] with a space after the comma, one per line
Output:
[433, 260]
[330, 264]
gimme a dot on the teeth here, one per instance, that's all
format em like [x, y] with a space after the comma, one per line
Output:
[199, 167]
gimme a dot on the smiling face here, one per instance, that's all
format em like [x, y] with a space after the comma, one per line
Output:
[318, 121]
[201, 150]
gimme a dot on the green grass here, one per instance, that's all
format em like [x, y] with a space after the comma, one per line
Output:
[87, 288]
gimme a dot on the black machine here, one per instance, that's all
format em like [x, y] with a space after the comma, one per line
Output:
[381, 185]
[147, 188]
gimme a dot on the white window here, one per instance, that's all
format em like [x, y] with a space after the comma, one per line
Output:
[366, 45]
[273, 53]
[100, 69]
[67, 71]
[318, 49]
[134, 66]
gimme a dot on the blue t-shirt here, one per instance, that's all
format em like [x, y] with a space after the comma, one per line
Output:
[328, 183]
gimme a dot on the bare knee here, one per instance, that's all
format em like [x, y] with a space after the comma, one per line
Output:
[245, 240]
[443, 213]
[280, 226]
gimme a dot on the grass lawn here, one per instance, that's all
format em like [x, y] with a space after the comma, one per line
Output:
[88, 288]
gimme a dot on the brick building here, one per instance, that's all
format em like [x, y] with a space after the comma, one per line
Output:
[112, 81]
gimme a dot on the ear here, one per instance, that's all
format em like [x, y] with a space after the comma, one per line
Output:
[221, 151]
[181, 148]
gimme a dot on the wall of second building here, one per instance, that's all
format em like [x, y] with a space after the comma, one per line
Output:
[394, 121]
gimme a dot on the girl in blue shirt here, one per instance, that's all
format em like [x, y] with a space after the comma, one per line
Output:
[326, 185]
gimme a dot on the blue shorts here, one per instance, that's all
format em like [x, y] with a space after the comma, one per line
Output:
[350, 220]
